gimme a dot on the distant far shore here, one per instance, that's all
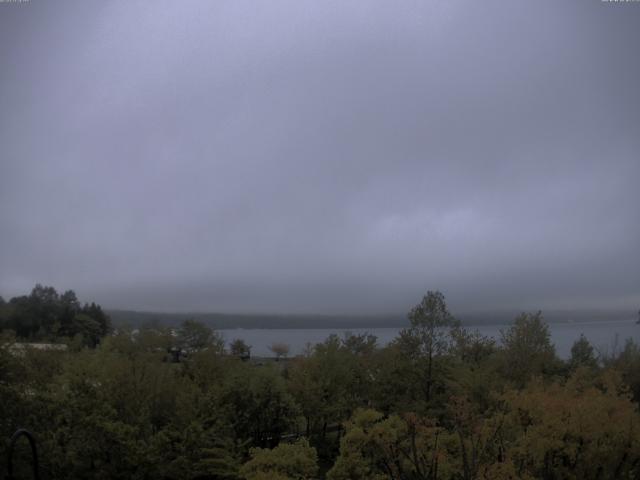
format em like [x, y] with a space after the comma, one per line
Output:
[226, 321]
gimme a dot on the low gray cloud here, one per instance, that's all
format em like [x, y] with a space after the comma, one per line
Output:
[303, 156]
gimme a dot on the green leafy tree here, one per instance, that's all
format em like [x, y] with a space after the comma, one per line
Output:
[197, 451]
[527, 349]
[194, 336]
[582, 354]
[69, 308]
[258, 405]
[572, 431]
[45, 315]
[397, 385]
[95, 311]
[379, 448]
[287, 461]
[88, 329]
[427, 339]
[471, 346]
[26, 318]
[240, 349]
[5, 315]
[329, 385]
[360, 344]
[627, 364]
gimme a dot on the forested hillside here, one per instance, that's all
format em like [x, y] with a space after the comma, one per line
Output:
[439, 402]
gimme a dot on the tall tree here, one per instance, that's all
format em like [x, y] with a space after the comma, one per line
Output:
[194, 336]
[582, 354]
[528, 350]
[428, 336]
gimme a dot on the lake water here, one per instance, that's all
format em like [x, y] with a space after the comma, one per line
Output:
[604, 336]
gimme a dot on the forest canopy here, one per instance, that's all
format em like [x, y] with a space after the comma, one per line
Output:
[438, 402]
[46, 315]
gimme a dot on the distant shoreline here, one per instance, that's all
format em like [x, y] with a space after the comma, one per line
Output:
[222, 321]
[395, 327]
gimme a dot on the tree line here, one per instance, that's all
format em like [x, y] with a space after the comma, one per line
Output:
[45, 315]
[438, 402]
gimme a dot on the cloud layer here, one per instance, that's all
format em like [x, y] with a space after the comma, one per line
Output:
[326, 157]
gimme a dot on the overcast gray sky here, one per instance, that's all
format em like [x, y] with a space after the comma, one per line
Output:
[321, 156]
